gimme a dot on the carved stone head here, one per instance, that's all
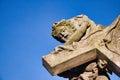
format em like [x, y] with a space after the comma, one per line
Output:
[62, 30]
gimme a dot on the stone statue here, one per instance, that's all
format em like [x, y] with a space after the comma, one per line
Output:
[90, 50]
[72, 31]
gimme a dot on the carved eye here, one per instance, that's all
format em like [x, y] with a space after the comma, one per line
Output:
[63, 30]
[79, 24]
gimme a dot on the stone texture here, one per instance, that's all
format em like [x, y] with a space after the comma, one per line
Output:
[84, 41]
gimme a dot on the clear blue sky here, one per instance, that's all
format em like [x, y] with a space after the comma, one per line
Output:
[25, 32]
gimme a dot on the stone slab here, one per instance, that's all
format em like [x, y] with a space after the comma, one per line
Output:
[57, 63]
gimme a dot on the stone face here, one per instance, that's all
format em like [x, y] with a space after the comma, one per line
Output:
[88, 42]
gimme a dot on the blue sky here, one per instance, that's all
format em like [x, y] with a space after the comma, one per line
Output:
[25, 32]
